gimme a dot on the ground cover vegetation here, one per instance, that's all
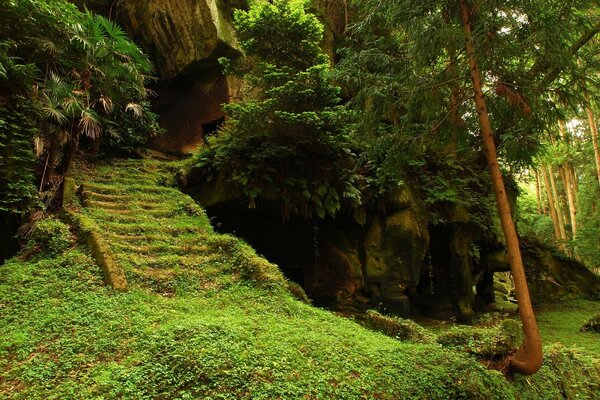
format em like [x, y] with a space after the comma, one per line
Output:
[220, 322]
[201, 315]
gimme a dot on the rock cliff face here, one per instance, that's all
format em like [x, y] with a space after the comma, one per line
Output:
[182, 37]
[185, 39]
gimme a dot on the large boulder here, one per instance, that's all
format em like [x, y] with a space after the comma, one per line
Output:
[552, 276]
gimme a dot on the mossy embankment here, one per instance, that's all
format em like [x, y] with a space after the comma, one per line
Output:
[205, 317]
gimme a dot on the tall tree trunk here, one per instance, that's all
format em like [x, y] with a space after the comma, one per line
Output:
[537, 193]
[574, 182]
[566, 178]
[594, 131]
[553, 215]
[559, 213]
[528, 359]
[565, 175]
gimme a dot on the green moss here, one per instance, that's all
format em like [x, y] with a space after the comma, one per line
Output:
[398, 328]
[561, 323]
[482, 342]
[205, 317]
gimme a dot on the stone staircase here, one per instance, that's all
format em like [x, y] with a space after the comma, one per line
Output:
[159, 237]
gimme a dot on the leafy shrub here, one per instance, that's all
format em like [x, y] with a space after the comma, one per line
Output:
[50, 236]
[283, 143]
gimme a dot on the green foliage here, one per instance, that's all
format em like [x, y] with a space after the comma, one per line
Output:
[587, 242]
[398, 328]
[483, 342]
[404, 65]
[283, 142]
[68, 79]
[50, 236]
[17, 190]
[530, 223]
[565, 374]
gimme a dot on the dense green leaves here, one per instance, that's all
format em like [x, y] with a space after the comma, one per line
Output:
[68, 80]
[283, 142]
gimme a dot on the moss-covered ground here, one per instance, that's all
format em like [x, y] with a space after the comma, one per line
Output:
[205, 318]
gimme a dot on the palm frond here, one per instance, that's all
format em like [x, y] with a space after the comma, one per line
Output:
[90, 124]
[137, 109]
[107, 104]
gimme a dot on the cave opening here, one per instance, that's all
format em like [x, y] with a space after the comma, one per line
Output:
[211, 128]
[438, 259]
[289, 244]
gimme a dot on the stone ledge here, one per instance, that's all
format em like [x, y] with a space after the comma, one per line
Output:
[88, 232]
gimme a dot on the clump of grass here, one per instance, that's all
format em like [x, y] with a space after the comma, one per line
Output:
[398, 328]
[483, 342]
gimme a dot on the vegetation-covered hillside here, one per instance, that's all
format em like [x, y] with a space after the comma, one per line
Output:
[311, 199]
[217, 323]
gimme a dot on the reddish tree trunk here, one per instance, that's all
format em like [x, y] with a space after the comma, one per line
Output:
[528, 359]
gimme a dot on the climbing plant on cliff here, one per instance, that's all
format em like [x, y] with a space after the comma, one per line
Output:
[439, 73]
[283, 142]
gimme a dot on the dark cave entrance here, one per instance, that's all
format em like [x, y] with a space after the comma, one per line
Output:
[211, 128]
[435, 275]
[288, 244]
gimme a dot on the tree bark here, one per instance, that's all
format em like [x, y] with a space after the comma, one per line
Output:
[565, 174]
[566, 178]
[537, 193]
[559, 214]
[528, 359]
[574, 182]
[553, 216]
[594, 131]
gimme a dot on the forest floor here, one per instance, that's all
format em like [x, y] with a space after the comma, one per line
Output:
[205, 317]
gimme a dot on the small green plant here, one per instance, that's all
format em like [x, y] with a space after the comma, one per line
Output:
[50, 236]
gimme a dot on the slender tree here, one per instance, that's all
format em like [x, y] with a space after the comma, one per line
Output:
[529, 357]
[551, 207]
[406, 59]
[593, 132]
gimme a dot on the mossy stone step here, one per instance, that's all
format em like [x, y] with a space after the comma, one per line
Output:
[106, 205]
[89, 195]
[133, 216]
[182, 239]
[167, 261]
[116, 190]
[126, 180]
[159, 217]
[129, 229]
[157, 249]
